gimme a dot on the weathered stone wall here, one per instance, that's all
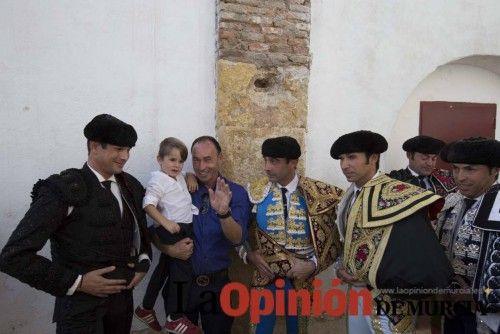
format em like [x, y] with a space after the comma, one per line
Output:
[262, 82]
[265, 33]
[247, 114]
[262, 78]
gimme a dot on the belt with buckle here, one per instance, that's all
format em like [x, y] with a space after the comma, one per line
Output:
[206, 279]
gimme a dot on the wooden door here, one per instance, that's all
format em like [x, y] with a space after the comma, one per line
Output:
[450, 121]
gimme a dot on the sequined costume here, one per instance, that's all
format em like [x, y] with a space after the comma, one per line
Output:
[441, 180]
[378, 226]
[474, 251]
[308, 231]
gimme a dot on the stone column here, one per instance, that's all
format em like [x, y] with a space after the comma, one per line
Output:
[262, 81]
[262, 78]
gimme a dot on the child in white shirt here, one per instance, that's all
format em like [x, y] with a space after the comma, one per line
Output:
[168, 203]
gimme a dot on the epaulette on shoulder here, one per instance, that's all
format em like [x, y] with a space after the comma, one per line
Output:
[400, 174]
[386, 201]
[69, 186]
[445, 178]
[320, 196]
[395, 173]
[451, 200]
[258, 190]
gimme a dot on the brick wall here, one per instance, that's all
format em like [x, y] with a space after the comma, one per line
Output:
[264, 32]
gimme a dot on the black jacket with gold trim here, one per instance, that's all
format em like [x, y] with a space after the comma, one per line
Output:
[388, 239]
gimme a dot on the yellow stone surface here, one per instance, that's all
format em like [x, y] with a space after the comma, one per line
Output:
[247, 113]
[241, 147]
[254, 104]
[281, 103]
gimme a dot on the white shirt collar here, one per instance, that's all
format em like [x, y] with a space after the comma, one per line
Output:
[100, 177]
[292, 186]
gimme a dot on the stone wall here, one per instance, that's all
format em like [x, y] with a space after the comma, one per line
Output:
[262, 83]
[265, 33]
[262, 78]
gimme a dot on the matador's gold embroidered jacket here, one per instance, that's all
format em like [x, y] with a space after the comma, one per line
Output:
[320, 201]
[365, 225]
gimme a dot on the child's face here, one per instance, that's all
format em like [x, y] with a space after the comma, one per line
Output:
[171, 164]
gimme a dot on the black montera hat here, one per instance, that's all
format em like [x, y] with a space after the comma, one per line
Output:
[359, 141]
[423, 144]
[281, 147]
[108, 129]
[474, 151]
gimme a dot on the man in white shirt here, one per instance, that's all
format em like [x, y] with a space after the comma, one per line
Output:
[99, 245]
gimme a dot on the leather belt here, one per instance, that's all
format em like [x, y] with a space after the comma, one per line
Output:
[206, 279]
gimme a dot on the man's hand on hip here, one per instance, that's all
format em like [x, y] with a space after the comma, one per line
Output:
[93, 283]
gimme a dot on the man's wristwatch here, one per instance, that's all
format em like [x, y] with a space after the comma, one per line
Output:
[225, 215]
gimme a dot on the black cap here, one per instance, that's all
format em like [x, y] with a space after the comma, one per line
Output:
[281, 147]
[108, 129]
[473, 151]
[423, 144]
[359, 141]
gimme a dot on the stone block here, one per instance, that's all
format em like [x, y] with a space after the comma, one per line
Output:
[305, 17]
[277, 59]
[240, 26]
[260, 97]
[301, 50]
[252, 36]
[271, 38]
[228, 34]
[302, 26]
[282, 48]
[243, 9]
[298, 42]
[299, 59]
[272, 30]
[241, 147]
[300, 8]
[259, 47]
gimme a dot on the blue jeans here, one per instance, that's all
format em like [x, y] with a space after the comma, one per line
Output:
[267, 322]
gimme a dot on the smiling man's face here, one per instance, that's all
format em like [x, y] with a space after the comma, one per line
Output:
[206, 162]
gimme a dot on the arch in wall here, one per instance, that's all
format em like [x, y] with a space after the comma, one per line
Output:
[473, 78]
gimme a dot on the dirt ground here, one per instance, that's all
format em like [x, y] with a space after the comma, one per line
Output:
[324, 326]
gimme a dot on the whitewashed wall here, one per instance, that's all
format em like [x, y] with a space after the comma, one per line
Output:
[368, 58]
[150, 63]
[454, 82]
